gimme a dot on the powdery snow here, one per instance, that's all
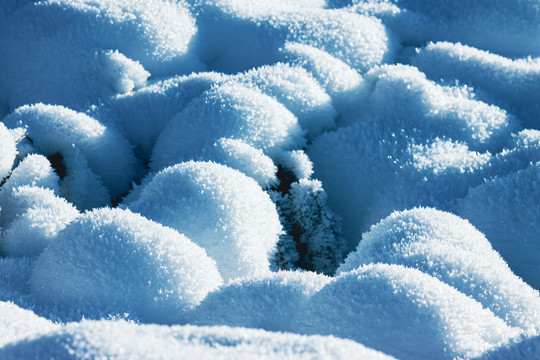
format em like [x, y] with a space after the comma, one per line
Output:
[240, 225]
[359, 174]
[123, 340]
[405, 313]
[112, 261]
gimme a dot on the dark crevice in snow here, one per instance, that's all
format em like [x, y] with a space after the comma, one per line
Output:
[57, 163]
[285, 178]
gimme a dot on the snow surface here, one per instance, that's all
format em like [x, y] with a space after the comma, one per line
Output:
[240, 226]
[112, 261]
[329, 179]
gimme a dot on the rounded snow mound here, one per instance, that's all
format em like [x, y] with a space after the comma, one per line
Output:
[75, 52]
[507, 27]
[33, 170]
[220, 209]
[295, 88]
[342, 83]
[17, 324]
[449, 248]
[112, 261]
[402, 98]
[507, 210]
[269, 302]
[511, 84]
[370, 170]
[142, 114]
[31, 218]
[56, 129]
[125, 340]
[227, 111]
[235, 35]
[243, 157]
[8, 151]
[405, 313]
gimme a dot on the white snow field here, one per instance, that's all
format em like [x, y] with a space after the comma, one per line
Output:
[270, 179]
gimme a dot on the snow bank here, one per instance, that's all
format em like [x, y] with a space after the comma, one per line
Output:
[31, 218]
[510, 28]
[403, 98]
[56, 129]
[506, 209]
[8, 151]
[220, 209]
[143, 114]
[238, 35]
[111, 261]
[344, 84]
[369, 170]
[123, 340]
[17, 324]
[295, 88]
[405, 313]
[227, 111]
[73, 53]
[451, 249]
[269, 302]
[511, 84]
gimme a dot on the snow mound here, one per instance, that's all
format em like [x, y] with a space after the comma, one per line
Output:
[295, 88]
[405, 313]
[510, 28]
[512, 84]
[73, 53]
[112, 261]
[56, 129]
[33, 170]
[506, 209]
[17, 324]
[220, 209]
[123, 340]
[403, 98]
[369, 170]
[243, 157]
[8, 151]
[344, 84]
[31, 218]
[235, 35]
[227, 111]
[269, 302]
[143, 114]
[451, 249]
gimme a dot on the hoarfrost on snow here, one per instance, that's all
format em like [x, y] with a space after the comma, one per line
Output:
[112, 261]
[220, 209]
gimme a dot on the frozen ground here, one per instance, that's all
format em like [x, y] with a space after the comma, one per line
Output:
[296, 179]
